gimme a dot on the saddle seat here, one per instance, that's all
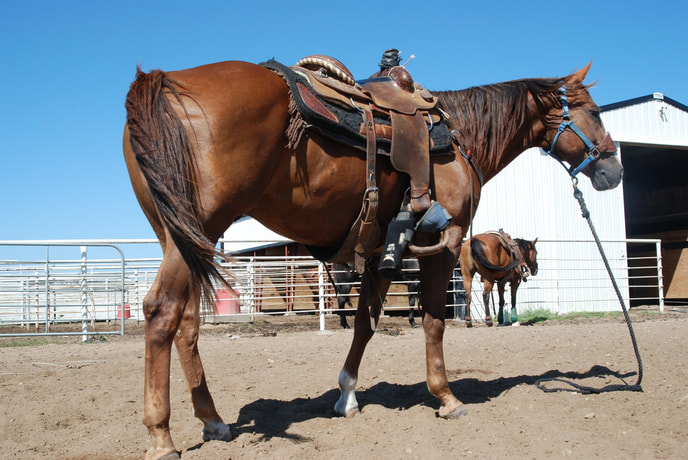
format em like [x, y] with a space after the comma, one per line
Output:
[395, 91]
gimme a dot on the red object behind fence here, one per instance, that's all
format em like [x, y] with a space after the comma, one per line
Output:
[127, 311]
[226, 302]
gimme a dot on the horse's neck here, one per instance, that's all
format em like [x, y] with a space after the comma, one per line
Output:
[507, 150]
[491, 166]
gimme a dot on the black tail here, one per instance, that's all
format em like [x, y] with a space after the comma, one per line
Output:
[479, 254]
[166, 159]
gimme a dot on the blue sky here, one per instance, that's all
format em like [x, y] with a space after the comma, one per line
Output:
[67, 65]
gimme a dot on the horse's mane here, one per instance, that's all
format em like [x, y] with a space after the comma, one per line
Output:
[489, 118]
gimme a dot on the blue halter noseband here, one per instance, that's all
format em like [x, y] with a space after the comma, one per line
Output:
[593, 150]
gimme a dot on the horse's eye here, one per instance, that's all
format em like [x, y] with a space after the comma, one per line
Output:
[595, 113]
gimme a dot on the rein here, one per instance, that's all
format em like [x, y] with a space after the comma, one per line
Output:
[593, 150]
[585, 389]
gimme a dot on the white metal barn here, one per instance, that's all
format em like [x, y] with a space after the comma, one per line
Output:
[651, 133]
[533, 197]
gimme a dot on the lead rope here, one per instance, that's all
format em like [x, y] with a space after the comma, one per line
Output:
[585, 389]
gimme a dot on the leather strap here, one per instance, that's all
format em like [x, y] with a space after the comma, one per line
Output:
[369, 231]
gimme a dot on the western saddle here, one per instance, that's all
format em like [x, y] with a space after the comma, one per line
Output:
[391, 114]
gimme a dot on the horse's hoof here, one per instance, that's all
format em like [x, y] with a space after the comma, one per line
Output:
[456, 413]
[352, 413]
[151, 455]
[349, 413]
[219, 433]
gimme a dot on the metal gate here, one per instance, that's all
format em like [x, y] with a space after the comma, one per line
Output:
[61, 288]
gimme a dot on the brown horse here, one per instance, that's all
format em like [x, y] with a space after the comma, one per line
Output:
[489, 255]
[207, 145]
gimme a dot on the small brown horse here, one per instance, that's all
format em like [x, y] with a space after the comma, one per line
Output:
[207, 145]
[487, 255]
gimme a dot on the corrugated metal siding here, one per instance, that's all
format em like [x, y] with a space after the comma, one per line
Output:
[533, 197]
[650, 122]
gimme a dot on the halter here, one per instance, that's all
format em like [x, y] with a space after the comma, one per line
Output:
[607, 145]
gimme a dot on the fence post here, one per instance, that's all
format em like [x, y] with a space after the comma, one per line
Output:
[251, 288]
[136, 289]
[84, 295]
[660, 277]
[321, 295]
[47, 289]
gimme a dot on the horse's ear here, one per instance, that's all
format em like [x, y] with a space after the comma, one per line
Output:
[534, 241]
[579, 76]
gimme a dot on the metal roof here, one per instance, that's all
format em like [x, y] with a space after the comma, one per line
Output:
[641, 99]
[649, 120]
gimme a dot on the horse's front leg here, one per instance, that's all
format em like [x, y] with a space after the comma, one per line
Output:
[435, 273]
[514, 314]
[371, 295]
[501, 319]
[162, 308]
[186, 341]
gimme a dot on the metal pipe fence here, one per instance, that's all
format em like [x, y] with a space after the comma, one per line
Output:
[39, 296]
[46, 286]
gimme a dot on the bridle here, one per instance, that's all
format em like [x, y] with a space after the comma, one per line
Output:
[594, 151]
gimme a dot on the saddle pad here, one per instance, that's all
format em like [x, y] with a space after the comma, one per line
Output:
[343, 125]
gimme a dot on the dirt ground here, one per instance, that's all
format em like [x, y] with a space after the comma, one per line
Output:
[275, 383]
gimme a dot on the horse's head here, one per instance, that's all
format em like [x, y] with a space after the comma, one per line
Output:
[529, 253]
[576, 135]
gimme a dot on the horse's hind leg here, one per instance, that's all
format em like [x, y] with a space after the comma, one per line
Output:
[162, 307]
[186, 341]
[468, 287]
[486, 300]
[468, 269]
[372, 292]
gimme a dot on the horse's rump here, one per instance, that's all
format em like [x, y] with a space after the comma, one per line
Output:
[478, 253]
[164, 155]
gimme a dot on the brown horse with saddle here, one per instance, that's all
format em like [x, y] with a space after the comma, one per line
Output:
[207, 145]
[498, 259]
